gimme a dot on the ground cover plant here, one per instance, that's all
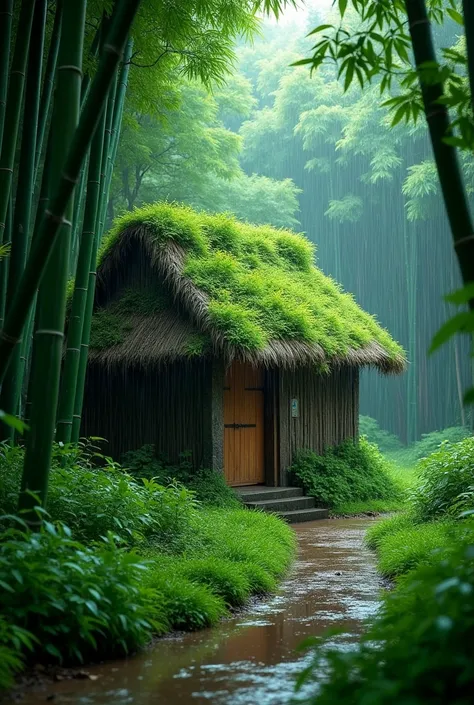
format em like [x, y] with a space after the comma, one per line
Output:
[209, 487]
[123, 560]
[434, 521]
[350, 478]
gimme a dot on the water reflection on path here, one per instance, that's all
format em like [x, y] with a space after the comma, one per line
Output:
[251, 658]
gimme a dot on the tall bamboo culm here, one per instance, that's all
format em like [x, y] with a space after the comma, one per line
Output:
[6, 17]
[51, 305]
[23, 203]
[447, 164]
[89, 304]
[53, 218]
[48, 83]
[13, 107]
[79, 299]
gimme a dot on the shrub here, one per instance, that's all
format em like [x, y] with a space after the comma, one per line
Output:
[444, 475]
[381, 529]
[94, 501]
[387, 442]
[223, 577]
[78, 602]
[350, 472]
[419, 650]
[209, 486]
[430, 442]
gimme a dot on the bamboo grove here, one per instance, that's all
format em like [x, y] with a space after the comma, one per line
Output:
[59, 128]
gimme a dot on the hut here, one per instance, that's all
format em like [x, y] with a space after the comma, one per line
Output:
[225, 340]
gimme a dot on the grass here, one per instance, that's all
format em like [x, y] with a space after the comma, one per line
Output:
[261, 283]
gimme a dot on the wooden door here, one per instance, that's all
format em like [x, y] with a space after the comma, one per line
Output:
[243, 425]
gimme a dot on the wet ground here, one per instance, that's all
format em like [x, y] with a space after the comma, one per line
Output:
[251, 658]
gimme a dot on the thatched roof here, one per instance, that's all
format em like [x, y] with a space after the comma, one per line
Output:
[229, 289]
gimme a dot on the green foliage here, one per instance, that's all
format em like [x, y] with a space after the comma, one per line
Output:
[350, 472]
[94, 501]
[225, 578]
[209, 487]
[420, 648]
[444, 475]
[12, 640]
[406, 548]
[78, 602]
[188, 606]
[386, 441]
[263, 285]
[245, 537]
[381, 529]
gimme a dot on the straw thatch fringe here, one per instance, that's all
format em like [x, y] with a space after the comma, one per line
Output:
[166, 336]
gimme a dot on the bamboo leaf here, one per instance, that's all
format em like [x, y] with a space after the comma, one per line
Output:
[461, 323]
[12, 421]
[456, 16]
[469, 396]
[461, 296]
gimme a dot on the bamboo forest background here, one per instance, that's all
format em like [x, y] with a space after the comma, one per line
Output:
[274, 144]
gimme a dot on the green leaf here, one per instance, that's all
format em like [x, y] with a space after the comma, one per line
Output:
[321, 28]
[342, 7]
[461, 323]
[469, 396]
[13, 422]
[456, 16]
[461, 296]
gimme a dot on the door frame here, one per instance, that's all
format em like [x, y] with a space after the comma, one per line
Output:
[271, 425]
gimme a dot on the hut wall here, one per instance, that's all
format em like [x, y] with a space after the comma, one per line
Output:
[173, 406]
[328, 408]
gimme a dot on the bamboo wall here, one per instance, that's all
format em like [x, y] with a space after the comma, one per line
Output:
[328, 411]
[170, 406]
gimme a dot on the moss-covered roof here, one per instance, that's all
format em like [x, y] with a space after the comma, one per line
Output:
[254, 290]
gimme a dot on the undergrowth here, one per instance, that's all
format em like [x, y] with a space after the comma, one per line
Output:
[353, 474]
[135, 558]
[261, 283]
[209, 487]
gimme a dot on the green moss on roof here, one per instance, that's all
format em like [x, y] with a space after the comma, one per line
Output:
[262, 283]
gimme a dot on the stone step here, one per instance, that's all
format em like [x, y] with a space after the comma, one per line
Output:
[288, 504]
[260, 494]
[301, 515]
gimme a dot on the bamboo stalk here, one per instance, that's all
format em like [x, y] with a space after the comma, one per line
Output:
[117, 122]
[447, 164]
[105, 158]
[52, 291]
[6, 16]
[11, 388]
[54, 217]
[79, 300]
[51, 312]
[48, 83]
[13, 107]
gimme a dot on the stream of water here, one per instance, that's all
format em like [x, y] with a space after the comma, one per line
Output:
[252, 657]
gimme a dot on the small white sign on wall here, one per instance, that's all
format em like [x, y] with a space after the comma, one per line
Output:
[295, 409]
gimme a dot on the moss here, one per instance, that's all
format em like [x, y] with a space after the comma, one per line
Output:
[198, 345]
[108, 329]
[261, 282]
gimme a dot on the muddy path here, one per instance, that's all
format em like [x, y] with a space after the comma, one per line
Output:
[250, 658]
